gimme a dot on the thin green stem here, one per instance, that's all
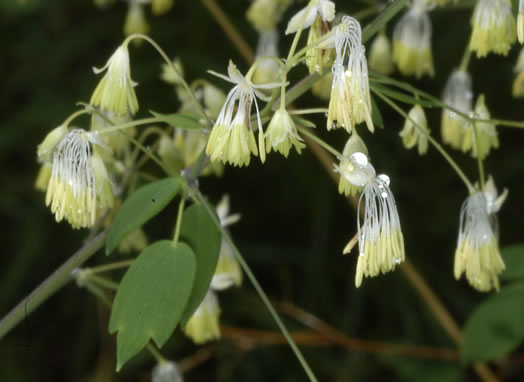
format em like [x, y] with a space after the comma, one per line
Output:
[170, 63]
[149, 154]
[315, 110]
[75, 115]
[479, 159]
[111, 266]
[138, 122]
[102, 281]
[440, 149]
[155, 353]
[366, 12]
[465, 59]
[197, 196]
[319, 141]
[179, 219]
[51, 285]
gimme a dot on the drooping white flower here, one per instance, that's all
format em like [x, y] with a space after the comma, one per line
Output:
[459, 95]
[115, 92]
[493, 27]
[380, 239]
[412, 42]
[166, 371]
[350, 101]
[232, 139]
[324, 9]
[203, 326]
[477, 252]
[380, 55]
[268, 67]
[79, 183]
[481, 140]
[352, 167]
[415, 131]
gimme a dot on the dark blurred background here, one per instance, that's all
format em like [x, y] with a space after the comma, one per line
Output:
[294, 223]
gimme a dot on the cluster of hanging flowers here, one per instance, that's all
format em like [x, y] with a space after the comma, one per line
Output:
[204, 325]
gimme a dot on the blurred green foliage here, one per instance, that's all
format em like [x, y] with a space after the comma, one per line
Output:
[294, 224]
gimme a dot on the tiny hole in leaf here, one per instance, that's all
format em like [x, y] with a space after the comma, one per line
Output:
[153, 200]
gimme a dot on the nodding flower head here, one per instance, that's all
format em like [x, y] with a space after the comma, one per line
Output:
[415, 131]
[350, 101]
[79, 183]
[159, 7]
[232, 139]
[477, 252]
[323, 9]
[265, 14]
[493, 27]
[351, 167]
[282, 134]
[380, 55]
[459, 95]
[115, 92]
[412, 42]
[166, 371]
[204, 326]
[485, 137]
[380, 239]
[136, 21]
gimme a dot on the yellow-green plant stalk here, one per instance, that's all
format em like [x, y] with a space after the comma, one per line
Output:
[481, 140]
[412, 42]
[416, 131]
[493, 27]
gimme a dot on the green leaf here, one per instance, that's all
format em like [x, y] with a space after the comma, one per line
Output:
[376, 116]
[496, 327]
[303, 122]
[188, 121]
[151, 297]
[139, 207]
[513, 256]
[201, 233]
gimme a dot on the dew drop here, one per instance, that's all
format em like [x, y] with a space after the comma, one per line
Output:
[384, 195]
[397, 260]
[452, 114]
[148, 148]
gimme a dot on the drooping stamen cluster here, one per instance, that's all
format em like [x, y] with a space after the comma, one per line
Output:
[459, 95]
[350, 101]
[166, 371]
[518, 83]
[282, 134]
[416, 131]
[232, 139]
[493, 27]
[268, 67]
[380, 55]
[380, 239]
[115, 92]
[318, 20]
[204, 325]
[79, 183]
[412, 42]
[481, 140]
[477, 252]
